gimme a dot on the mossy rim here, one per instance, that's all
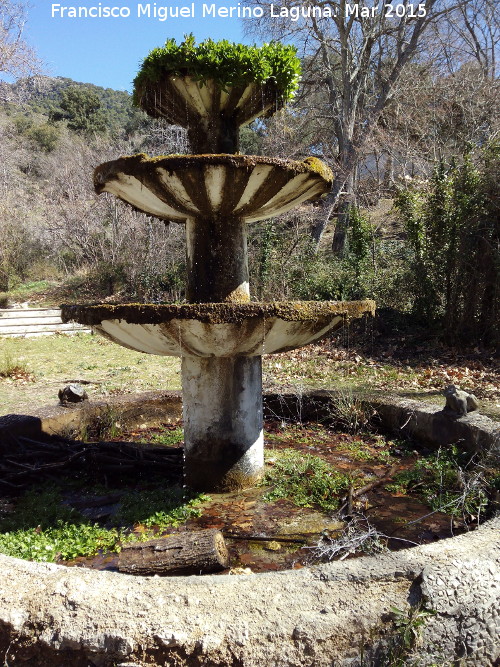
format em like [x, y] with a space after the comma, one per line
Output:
[215, 313]
[227, 63]
[139, 164]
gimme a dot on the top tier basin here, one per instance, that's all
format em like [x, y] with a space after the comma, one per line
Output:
[214, 88]
[184, 101]
[211, 113]
[179, 188]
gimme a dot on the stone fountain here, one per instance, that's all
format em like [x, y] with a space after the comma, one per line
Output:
[220, 334]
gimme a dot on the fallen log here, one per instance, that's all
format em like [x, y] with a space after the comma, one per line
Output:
[196, 552]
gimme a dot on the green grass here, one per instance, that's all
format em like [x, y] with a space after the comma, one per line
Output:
[43, 528]
[64, 541]
[446, 481]
[161, 508]
[26, 289]
[363, 451]
[358, 450]
[11, 366]
[305, 480]
[110, 368]
[53, 360]
[168, 437]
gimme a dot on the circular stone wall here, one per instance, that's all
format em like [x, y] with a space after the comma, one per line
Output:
[336, 614]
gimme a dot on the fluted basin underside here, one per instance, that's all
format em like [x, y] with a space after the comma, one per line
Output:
[182, 100]
[178, 188]
[217, 330]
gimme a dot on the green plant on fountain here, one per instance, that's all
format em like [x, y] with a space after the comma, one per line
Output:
[213, 89]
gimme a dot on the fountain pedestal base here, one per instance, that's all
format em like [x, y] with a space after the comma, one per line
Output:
[223, 436]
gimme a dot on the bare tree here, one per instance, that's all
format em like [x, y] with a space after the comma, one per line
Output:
[473, 35]
[355, 55]
[17, 57]
[434, 116]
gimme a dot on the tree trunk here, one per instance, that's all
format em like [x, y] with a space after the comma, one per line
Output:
[342, 191]
[328, 205]
[196, 552]
[340, 232]
[348, 200]
[4, 281]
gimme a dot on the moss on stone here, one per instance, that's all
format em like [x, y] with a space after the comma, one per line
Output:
[215, 313]
[317, 166]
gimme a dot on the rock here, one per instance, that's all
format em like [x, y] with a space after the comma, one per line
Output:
[72, 393]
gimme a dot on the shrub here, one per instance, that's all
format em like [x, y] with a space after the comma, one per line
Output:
[227, 63]
[454, 235]
[46, 136]
[80, 107]
[349, 413]
[447, 482]
[23, 123]
[108, 278]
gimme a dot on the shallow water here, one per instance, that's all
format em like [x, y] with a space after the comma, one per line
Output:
[268, 536]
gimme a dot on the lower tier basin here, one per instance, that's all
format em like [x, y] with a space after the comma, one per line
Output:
[217, 329]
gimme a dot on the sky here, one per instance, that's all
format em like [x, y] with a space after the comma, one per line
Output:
[108, 51]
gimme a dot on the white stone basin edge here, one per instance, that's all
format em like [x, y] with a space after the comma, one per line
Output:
[217, 330]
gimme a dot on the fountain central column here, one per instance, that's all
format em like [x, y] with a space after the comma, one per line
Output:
[223, 436]
[217, 260]
[222, 396]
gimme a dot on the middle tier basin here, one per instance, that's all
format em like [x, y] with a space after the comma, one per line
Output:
[181, 187]
[217, 329]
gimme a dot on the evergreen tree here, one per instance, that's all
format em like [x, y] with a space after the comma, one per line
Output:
[81, 108]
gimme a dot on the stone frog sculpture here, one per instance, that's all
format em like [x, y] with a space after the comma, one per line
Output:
[458, 402]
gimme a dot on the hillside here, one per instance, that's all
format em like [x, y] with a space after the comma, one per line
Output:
[58, 238]
[42, 95]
